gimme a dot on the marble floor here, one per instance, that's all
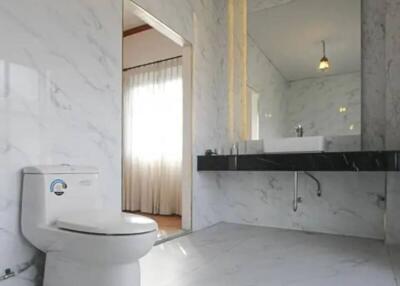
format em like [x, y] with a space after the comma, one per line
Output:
[240, 255]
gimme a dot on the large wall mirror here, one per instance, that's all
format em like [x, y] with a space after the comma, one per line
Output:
[304, 74]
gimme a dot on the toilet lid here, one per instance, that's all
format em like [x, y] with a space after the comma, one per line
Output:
[107, 222]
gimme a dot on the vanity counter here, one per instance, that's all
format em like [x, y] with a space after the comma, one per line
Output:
[373, 161]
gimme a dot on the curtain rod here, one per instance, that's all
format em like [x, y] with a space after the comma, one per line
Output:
[152, 63]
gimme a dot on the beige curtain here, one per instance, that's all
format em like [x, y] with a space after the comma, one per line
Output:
[153, 138]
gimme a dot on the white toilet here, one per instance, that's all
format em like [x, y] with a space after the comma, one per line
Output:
[85, 245]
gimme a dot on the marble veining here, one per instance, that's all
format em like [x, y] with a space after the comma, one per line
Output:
[350, 203]
[380, 161]
[237, 255]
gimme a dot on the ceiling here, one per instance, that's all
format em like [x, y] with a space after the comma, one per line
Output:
[130, 19]
[289, 33]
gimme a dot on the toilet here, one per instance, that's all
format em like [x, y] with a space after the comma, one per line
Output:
[85, 244]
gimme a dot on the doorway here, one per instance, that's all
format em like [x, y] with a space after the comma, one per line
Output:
[156, 122]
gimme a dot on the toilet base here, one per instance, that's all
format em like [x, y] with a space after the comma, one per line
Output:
[64, 272]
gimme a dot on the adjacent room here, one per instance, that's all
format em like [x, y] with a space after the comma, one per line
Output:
[153, 124]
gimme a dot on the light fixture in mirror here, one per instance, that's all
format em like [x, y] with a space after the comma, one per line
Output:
[324, 62]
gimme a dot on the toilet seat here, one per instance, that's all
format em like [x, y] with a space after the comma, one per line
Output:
[105, 222]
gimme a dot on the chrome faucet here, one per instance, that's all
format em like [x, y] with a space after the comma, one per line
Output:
[299, 131]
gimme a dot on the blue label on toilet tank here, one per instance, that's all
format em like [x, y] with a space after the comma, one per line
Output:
[58, 187]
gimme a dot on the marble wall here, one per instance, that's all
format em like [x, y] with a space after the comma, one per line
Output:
[315, 103]
[373, 74]
[392, 59]
[350, 203]
[60, 102]
[381, 89]
[381, 73]
[392, 133]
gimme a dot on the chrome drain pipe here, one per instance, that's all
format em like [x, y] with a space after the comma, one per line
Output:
[296, 198]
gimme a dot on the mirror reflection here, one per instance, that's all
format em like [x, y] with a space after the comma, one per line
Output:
[304, 74]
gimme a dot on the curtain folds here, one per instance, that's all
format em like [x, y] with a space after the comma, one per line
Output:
[153, 138]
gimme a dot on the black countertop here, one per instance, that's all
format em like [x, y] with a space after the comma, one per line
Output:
[373, 161]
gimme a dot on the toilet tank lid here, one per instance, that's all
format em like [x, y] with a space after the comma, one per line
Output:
[60, 169]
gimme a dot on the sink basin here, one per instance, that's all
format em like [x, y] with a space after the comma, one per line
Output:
[295, 144]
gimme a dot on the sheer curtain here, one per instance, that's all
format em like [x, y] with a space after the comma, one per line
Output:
[153, 138]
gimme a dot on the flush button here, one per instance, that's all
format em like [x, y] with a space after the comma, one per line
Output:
[58, 187]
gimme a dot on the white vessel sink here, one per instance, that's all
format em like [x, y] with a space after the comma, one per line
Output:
[295, 144]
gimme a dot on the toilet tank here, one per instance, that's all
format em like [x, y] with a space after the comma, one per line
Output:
[51, 191]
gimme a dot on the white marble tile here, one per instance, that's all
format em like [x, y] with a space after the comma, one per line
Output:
[210, 103]
[350, 202]
[229, 254]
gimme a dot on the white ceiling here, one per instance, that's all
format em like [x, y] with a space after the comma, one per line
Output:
[290, 35]
[130, 19]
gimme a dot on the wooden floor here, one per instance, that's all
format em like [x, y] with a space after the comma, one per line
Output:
[167, 224]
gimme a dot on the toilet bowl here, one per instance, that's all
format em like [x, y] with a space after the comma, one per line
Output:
[85, 244]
